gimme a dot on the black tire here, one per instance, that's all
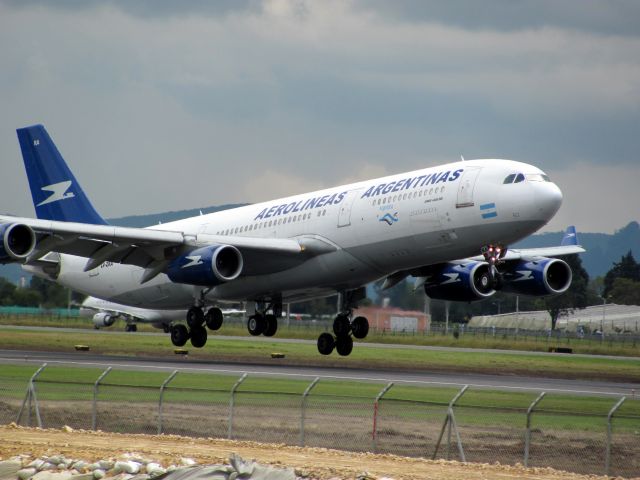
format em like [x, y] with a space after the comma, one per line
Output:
[213, 319]
[131, 327]
[326, 344]
[166, 328]
[344, 345]
[198, 337]
[179, 335]
[360, 327]
[271, 325]
[341, 326]
[256, 324]
[195, 317]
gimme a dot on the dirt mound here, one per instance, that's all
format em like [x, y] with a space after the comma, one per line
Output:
[317, 463]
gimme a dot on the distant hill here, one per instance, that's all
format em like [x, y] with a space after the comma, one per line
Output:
[602, 249]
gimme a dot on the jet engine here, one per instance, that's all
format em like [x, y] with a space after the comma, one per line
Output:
[103, 319]
[17, 242]
[539, 277]
[462, 282]
[207, 266]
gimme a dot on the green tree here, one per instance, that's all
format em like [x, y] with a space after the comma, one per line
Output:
[26, 297]
[625, 292]
[52, 294]
[627, 267]
[577, 296]
[6, 291]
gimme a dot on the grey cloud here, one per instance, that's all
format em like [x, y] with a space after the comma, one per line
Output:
[146, 8]
[609, 17]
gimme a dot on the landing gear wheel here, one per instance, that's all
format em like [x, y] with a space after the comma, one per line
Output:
[213, 318]
[256, 324]
[195, 317]
[271, 325]
[179, 335]
[360, 327]
[344, 345]
[131, 327]
[198, 337]
[326, 343]
[341, 326]
[166, 328]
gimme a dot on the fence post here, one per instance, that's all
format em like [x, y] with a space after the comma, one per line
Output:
[303, 408]
[94, 416]
[607, 460]
[31, 396]
[374, 433]
[231, 404]
[162, 387]
[450, 421]
[527, 434]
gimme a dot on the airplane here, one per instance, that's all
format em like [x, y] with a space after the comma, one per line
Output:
[449, 226]
[104, 314]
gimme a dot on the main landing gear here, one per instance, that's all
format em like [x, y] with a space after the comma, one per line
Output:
[263, 323]
[196, 331]
[344, 328]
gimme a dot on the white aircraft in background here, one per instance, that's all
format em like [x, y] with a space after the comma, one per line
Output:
[448, 225]
[104, 314]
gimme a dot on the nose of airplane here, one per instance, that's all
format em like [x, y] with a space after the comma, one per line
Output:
[548, 199]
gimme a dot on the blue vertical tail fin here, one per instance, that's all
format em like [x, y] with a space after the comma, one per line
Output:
[570, 237]
[56, 193]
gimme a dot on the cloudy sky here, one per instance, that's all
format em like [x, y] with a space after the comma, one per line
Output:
[164, 105]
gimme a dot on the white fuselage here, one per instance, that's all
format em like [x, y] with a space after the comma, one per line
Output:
[377, 227]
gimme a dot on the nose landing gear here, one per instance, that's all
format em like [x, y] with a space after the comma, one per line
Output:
[493, 255]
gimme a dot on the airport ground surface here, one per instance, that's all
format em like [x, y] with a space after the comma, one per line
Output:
[422, 378]
[316, 463]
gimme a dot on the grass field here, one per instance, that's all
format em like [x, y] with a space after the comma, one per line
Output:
[370, 357]
[512, 341]
[479, 407]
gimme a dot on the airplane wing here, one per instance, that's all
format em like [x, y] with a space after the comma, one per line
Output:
[154, 248]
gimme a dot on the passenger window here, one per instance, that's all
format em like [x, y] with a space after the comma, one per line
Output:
[519, 178]
[509, 179]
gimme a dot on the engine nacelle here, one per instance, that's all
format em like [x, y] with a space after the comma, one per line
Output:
[207, 266]
[462, 282]
[17, 242]
[545, 276]
[103, 319]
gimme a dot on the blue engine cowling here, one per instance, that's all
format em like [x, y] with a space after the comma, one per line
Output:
[207, 266]
[461, 282]
[17, 242]
[539, 277]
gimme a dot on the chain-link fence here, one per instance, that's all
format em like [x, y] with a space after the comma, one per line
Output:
[472, 424]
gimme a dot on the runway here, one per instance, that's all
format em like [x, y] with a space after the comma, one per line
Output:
[452, 380]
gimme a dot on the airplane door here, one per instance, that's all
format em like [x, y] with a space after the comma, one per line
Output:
[467, 184]
[344, 215]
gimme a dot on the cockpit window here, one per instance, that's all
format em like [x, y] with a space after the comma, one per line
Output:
[519, 178]
[509, 179]
[538, 177]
